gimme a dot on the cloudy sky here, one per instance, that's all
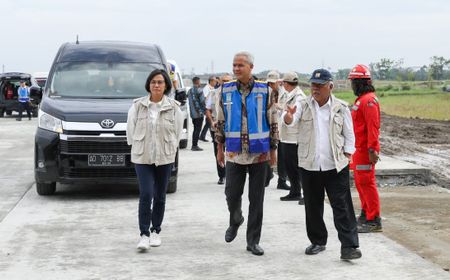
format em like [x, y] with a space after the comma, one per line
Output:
[203, 35]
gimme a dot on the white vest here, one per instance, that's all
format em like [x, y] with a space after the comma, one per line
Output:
[307, 139]
[289, 134]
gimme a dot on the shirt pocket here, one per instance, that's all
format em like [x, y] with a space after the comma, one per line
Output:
[338, 123]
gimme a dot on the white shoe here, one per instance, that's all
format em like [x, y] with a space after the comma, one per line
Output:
[155, 240]
[144, 243]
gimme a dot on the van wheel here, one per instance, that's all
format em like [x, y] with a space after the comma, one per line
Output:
[46, 189]
[183, 143]
[172, 187]
[2, 113]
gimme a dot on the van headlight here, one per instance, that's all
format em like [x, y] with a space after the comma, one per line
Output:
[48, 122]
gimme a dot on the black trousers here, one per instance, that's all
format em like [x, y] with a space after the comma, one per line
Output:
[205, 129]
[337, 186]
[281, 169]
[234, 188]
[220, 169]
[290, 152]
[197, 128]
[24, 106]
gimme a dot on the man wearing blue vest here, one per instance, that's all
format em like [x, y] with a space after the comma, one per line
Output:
[24, 100]
[247, 125]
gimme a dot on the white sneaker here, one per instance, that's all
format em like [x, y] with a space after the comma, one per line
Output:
[155, 240]
[144, 243]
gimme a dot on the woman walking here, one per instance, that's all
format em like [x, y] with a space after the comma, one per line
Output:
[153, 129]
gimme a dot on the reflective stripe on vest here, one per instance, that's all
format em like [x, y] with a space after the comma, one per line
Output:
[364, 167]
[257, 123]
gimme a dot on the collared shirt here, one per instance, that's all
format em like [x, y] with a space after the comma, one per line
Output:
[207, 91]
[244, 157]
[324, 159]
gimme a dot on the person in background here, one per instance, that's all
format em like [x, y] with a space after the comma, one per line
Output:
[274, 82]
[207, 90]
[211, 115]
[326, 142]
[289, 137]
[23, 93]
[366, 124]
[248, 124]
[154, 128]
[197, 110]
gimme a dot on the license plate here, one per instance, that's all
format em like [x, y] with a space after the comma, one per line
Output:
[106, 160]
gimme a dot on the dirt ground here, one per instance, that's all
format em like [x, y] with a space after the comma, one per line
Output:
[418, 217]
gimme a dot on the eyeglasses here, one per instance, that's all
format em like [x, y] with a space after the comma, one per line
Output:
[159, 83]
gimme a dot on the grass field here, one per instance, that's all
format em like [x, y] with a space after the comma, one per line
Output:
[418, 101]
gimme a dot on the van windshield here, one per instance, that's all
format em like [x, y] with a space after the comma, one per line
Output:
[100, 79]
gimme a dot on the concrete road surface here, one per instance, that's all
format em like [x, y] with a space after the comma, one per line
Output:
[90, 232]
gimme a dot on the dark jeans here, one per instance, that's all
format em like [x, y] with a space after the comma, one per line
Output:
[220, 169]
[153, 182]
[197, 128]
[290, 152]
[337, 186]
[24, 106]
[281, 169]
[205, 129]
[234, 188]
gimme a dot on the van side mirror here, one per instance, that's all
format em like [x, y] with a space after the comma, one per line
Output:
[36, 93]
[180, 95]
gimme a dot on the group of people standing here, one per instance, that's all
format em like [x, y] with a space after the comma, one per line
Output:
[254, 123]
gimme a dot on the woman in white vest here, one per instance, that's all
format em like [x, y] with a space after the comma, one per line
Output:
[326, 142]
[154, 126]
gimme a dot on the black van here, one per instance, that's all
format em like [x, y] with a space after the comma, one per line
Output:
[9, 83]
[81, 134]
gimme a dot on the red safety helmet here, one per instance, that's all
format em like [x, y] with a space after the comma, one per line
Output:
[360, 71]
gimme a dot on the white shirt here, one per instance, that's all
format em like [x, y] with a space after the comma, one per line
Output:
[323, 159]
[153, 112]
[207, 90]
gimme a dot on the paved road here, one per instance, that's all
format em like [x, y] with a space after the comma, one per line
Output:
[90, 232]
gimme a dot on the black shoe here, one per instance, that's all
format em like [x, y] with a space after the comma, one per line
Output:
[314, 249]
[203, 139]
[362, 219]
[350, 253]
[371, 226]
[29, 118]
[255, 249]
[283, 186]
[18, 119]
[290, 197]
[301, 201]
[196, 148]
[232, 230]
[221, 181]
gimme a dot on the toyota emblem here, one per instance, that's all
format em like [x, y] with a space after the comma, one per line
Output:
[107, 123]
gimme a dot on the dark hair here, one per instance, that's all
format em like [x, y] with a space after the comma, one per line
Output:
[166, 80]
[361, 86]
[195, 79]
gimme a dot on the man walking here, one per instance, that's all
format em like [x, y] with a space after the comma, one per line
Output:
[197, 110]
[207, 90]
[326, 142]
[24, 100]
[366, 121]
[248, 125]
[288, 137]
[211, 115]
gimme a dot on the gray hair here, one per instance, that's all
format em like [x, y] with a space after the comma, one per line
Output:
[249, 57]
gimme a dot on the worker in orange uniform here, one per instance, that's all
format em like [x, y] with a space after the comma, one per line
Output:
[366, 124]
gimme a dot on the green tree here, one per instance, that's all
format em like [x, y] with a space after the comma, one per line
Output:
[436, 67]
[383, 68]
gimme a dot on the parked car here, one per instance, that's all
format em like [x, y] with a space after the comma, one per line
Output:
[181, 94]
[446, 88]
[81, 134]
[9, 83]
[40, 78]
